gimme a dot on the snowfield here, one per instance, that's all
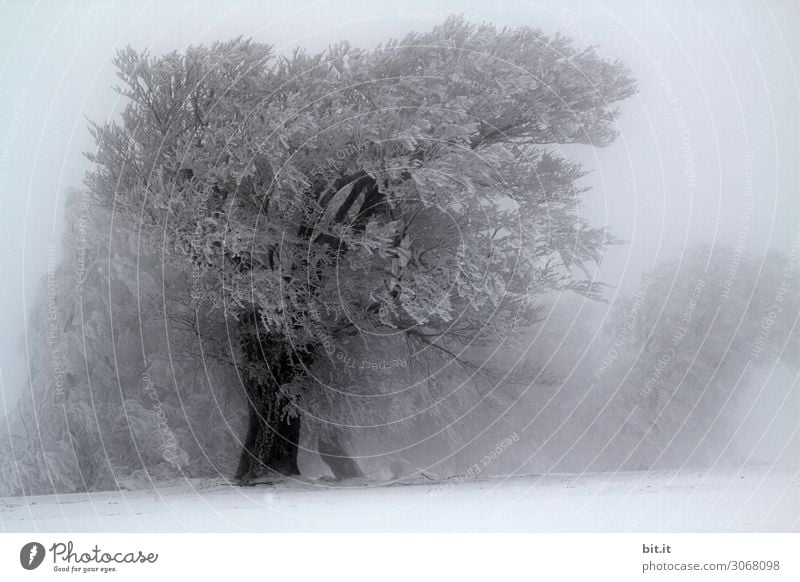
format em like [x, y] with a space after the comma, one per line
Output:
[765, 499]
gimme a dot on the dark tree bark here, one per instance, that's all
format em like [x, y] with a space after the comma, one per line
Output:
[335, 456]
[273, 431]
[270, 446]
[273, 425]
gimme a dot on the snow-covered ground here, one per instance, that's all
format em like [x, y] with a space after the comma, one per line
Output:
[754, 499]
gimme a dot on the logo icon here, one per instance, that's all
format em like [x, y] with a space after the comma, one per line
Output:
[31, 555]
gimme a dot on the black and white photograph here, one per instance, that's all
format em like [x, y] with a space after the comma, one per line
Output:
[420, 267]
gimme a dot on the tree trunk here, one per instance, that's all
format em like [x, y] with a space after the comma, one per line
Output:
[271, 443]
[272, 434]
[273, 431]
[335, 456]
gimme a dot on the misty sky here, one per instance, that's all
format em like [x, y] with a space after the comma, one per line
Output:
[714, 128]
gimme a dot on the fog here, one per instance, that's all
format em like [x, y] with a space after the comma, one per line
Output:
[708, 150]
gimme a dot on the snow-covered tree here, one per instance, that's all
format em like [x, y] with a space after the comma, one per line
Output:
[116, 395]
[686, 349]
[405, 197]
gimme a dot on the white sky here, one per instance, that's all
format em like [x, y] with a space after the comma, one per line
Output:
[728, 70]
